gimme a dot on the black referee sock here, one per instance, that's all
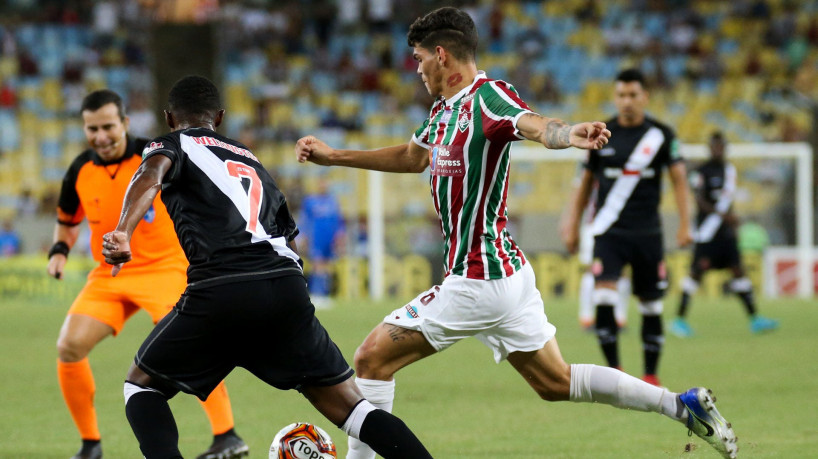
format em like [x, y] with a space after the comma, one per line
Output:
[152, 422]
[652, 340]
[606, 333]
[389, 437]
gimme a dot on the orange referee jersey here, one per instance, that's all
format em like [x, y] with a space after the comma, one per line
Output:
[95, 190]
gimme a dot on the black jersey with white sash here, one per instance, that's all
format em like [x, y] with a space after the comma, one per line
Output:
[628, 171]
[715, 183]
[230, 217]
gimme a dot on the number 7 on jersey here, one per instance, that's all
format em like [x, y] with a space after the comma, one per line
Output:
[239, 171]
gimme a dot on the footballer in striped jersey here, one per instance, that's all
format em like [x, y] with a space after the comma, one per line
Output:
[489, 290]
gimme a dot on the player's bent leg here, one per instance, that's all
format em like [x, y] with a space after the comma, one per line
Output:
[544, 370]
[148, 412]
[344, 405]
[226, 442]
[386, 349]
[78, 336]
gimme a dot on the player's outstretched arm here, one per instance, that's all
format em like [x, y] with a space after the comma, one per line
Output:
[409, 157]
[557, 134]
[678, 177]
[145, 185]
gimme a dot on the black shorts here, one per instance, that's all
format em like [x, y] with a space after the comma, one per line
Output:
[644, 253]
[716, 254]
[267, 326]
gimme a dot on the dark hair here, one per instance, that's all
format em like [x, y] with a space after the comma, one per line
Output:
[630, 75]
[717, 136]
[451, 28]
[97, 99]
[194, 95]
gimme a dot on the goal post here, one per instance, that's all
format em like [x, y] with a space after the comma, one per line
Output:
[546, 181]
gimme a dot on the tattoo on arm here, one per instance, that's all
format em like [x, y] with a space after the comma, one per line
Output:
[557, 134]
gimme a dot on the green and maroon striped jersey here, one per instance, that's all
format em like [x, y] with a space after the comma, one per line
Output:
[469, 139]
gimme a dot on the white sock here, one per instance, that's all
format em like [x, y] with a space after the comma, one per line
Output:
[381, 394]
[586, 304]
[592, 383]
[623, 287]
[355, 420]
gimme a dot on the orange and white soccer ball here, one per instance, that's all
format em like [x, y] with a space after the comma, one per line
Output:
[300, 440]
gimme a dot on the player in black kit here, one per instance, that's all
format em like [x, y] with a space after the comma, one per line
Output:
[626, 227]
[246, 302]
[714, 186]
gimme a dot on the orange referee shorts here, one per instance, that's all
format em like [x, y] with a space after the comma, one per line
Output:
[113, 300]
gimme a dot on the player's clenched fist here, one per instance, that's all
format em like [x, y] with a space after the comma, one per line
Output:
[311, 149]
[116, 249]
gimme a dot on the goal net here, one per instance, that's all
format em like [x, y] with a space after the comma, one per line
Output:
[402, 255]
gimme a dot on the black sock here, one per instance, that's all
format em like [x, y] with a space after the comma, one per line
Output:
[652, 340]
[87, 445]
[229, 433]
[683, 305]
[153, 425]
[389, 437]
[606, 333]
[749, 303]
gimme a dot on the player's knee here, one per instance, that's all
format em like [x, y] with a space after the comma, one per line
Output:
[70, 349]
[651, 307]
[368, 364]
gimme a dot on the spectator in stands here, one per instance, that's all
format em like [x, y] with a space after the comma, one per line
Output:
[10, 243]
[27, 204]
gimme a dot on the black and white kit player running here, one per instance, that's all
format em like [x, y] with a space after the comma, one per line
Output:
[246, 304]
[714, 187]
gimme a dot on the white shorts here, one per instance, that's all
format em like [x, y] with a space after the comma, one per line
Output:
[507, 315]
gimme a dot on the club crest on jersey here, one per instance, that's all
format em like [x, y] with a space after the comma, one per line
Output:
[607, 151]
[463, 121]
[153, 146]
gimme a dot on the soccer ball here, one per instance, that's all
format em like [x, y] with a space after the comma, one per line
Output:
[300, 440]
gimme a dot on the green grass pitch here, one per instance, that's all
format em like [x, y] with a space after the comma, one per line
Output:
[460, 403]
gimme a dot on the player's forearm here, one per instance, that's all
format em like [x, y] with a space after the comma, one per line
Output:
[67, 234]
[551, 132]
[145, 185]
[398, 158]
[678, 175]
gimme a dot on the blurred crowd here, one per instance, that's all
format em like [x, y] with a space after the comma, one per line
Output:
[342, 67]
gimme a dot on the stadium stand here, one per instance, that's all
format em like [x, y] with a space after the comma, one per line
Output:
[747, 68]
